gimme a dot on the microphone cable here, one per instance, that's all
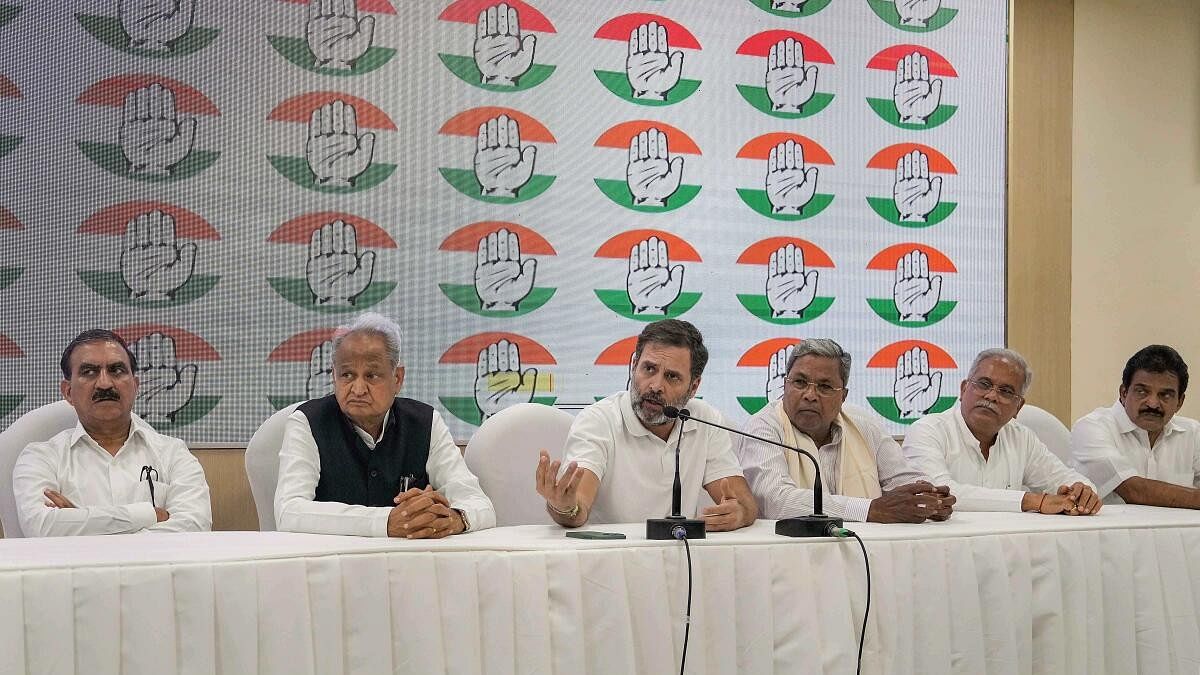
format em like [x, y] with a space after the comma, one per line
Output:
[862, 636]
[681, 535]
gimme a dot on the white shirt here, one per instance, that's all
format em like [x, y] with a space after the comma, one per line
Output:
[1109, 448]
[300, 470]
[107, 490]
[778, 495]
[942, 446]
[637, 468]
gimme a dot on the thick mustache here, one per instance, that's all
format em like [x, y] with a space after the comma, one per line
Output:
[1150, 411]
[987, 406]
[106, 395]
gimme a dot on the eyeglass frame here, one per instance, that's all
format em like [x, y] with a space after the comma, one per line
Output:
[816, 386]
[1004, 396]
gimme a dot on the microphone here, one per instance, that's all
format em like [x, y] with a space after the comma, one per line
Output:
[675, 526]
[816, 525]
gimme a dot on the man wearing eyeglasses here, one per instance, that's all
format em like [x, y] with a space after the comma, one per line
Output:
[863, 472]
[1138, 451]
[990, 461]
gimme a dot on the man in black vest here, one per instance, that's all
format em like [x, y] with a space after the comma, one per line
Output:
[363, 462]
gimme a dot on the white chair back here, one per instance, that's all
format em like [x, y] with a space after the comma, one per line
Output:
[503, 454]
[39, 424]
[262, 465]
[1049, 429]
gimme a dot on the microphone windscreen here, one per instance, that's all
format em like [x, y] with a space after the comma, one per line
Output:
[670, 411]
[685, 413]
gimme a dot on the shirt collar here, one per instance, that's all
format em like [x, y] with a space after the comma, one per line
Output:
[366, 434]
[137, 427]
[968, 437]
[1126, 425]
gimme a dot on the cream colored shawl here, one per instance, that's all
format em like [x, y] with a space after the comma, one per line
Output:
[858, 474]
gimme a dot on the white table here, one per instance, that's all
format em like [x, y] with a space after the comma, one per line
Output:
[982, 593]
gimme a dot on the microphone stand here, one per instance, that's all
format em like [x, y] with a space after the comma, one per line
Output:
[675, 526]
[816, 525]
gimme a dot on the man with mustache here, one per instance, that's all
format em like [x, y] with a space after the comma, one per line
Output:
[991, 461]
[112, 473]
[863, 473]
[618, 465]
[364, 461]
[1138, 451]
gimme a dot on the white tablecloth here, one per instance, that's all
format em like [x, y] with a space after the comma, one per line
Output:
[982, 593]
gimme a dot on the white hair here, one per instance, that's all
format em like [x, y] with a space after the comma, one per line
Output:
[378, 325]
[1006, 355]
[825, 348]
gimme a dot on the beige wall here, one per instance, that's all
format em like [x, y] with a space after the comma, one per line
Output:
[1135, 256]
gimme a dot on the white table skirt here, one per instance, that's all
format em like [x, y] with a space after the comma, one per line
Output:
[982, 593]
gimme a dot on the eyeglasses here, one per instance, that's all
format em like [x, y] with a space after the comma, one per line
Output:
[823, 390]
[1006, 393]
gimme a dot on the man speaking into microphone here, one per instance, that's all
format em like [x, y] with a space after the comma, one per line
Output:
[618, 464]
[865, 474]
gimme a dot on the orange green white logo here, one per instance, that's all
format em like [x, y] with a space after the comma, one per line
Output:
[8, 92]
[9, 350]
[791, 9]
[793, 269]
[155, 265]
[336, 155]
[150, 29]
[770, 357]
[792, 64]
[308, 357]
[338, 36]
[618, 355]
[791, 176]
[504, 266]
[651, 48]
[9, 224]
[652, 277]
[507, 368]
[914, 16]
[153, 131]
[915, 369]
[914, 274]
[339, 272]
[506, 145]
[914, 174]
[504, 40]
[169, 361]
[916, 75]
[654, 166]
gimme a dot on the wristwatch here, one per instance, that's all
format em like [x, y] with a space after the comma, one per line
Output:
[463, 514]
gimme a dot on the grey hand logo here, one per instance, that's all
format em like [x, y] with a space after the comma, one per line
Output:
[790, 186]
[155, 24]
[652, 283]
[499, 381]
[917, 12]
[777, 373]
[336, 36]
[319, 381]
[336, 152]
[164, 388]
[152, 140]
[502, 280]
[501, 54]
[652, 68]
[153, 265]
[915, 390]
[337, 273]
[790, 84]
[502, 166]
[915, 193]
[915, 95]
[915, 292]
[652, 174]
[790, 290]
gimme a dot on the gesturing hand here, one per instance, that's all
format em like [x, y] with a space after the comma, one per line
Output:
[652, 174]
[790, 290]
[502, 166]
[336, 152]
[915, 390]
[155, 24]
[319, 382]
[777, 373]
[153, 265]
[501, 54]
[915, 292]
[915, 194]
[917, 12]
[789, 185]
[337, 273]
[725, 515]
[651, 67]
[561, 494]
[652, 283]
[502, 280]
[915, 95]
[499, 380]
[790, 84]
[336, 36]
[152, 141]
[163, 387]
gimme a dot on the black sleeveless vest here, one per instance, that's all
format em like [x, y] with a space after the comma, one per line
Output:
[352, 473]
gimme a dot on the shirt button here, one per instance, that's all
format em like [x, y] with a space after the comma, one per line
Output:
[374, 473]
